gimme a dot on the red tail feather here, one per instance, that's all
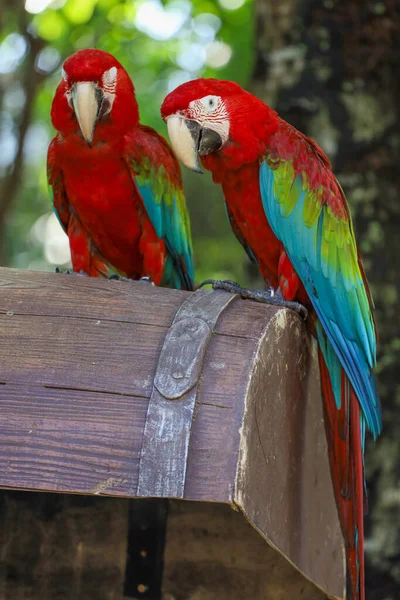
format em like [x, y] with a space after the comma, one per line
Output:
[345, 455]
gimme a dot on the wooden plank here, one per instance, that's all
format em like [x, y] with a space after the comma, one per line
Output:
[81, 439]
[38, 293]
[79, 353]
[212, 553]
[57, 547]
[245, 318]
[78, 359]
[283, 482]
[215, 438]
[72, 548]
[227, 365]
[69, 440]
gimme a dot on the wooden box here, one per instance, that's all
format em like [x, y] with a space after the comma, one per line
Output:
[124, 390]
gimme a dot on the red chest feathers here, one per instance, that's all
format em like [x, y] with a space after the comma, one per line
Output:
[101, 193]
[242, 195]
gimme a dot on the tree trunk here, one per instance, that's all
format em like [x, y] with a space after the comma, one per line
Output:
[331, 69]
[30, 79]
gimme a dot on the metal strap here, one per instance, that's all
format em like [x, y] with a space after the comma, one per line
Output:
[165, 446]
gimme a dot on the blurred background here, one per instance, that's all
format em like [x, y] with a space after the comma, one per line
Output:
[330, 67]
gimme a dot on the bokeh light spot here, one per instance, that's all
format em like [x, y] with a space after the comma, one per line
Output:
[231, 4]
[79, 12]
[177, 78]
[9, 147]
[37, 6]
[218, 54]
[12, 52]
[36, 143]
[50, 25]
[206, 26]
[192, 57]
[161, 23]
[14, 98]
[48, 59]
[47, 231]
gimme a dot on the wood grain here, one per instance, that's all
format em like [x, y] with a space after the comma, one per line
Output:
[79, 353]
[77, 440]
[62, 547]
[283, 482]
[37, 293]
[75, 548]
[69, 440]
[215, 438]
[212, 553]
[78, 358]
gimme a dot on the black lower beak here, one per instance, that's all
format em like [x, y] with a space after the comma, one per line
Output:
[206, 140]
[209, 141]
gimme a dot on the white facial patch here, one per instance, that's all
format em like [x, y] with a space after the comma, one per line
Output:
[68, 91]
[109, 83]
[210, 111]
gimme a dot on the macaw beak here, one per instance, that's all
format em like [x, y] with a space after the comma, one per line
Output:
[190, 141]
[86, 99]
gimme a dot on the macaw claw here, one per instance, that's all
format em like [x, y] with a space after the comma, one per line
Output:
[265, 296]
[146, 280]
[70, 272]
[122, 278]
[118, 278]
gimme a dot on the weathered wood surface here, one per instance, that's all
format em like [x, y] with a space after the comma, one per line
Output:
[75, 548]
[55, 547]
[213, 554]
[78, 359]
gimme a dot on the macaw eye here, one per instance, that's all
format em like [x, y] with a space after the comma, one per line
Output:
[210, 103]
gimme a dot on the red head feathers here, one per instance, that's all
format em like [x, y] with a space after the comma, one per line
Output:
[217, 118]
[95, 96]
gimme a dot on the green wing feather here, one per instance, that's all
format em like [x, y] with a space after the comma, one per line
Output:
[157, 175]
[314, 224]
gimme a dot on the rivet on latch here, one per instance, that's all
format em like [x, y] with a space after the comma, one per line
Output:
[178, 375]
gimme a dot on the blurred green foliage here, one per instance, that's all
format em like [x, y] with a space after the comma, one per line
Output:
[161, 44]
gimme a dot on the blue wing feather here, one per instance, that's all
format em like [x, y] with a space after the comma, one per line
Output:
[338, 301]
[172, 226]
[156, 173]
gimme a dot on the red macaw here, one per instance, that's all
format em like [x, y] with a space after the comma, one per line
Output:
[116, 184]
[291, 215]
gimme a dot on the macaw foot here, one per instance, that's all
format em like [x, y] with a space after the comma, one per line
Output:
[265, 296]
[122, 278]
[70, 272]
[118, 278]
[146, 280]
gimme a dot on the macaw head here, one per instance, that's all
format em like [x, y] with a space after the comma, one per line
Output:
[209, 120]
[94, 98]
